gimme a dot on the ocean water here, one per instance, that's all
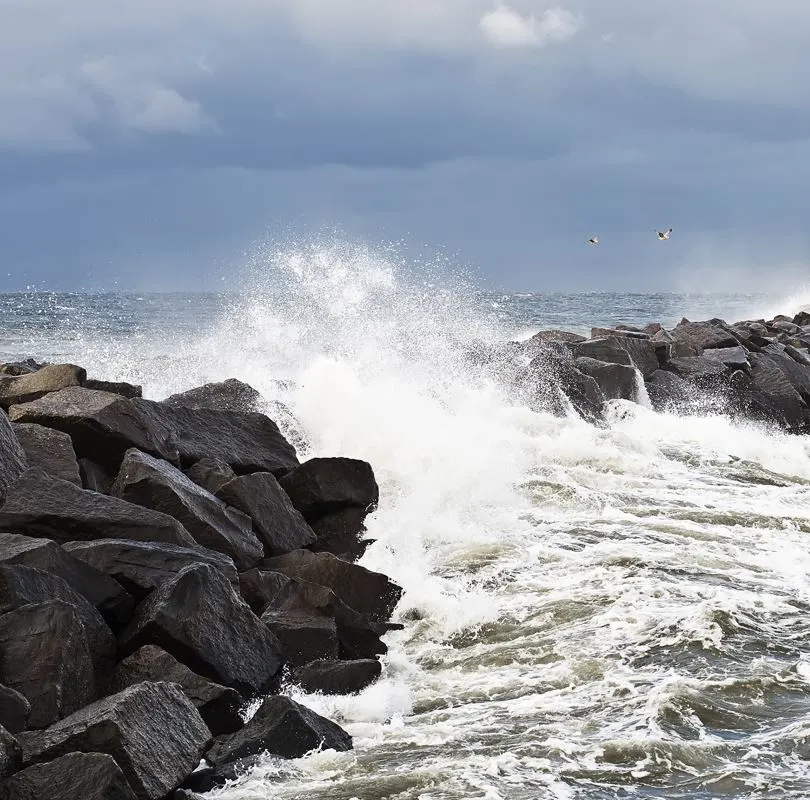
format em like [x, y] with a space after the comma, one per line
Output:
[613, 612]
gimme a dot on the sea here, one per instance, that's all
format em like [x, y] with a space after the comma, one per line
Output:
[616, 611]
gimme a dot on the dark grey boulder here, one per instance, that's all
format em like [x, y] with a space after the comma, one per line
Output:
[49, 450]
[218, 705]
[798, 374]
[10, 755]
[668, 346]
[32, 386]
[610, 350]
[12, 456]
[152, 730]
[45, 654]
[278, 524]
[772, 396]
[141, 567]
[303, 636]
[644, 354]
[209, 777]
[114, 387]
[14, 709]
[369, 593]
[198, 618]
[283, 728]
[259, 588]
[322, 485]
[699, 370]
[210, 473]
[620, 332]
[616, 381]
[802, 318]
[541, 337]
[341, 533]
[75, 776]
[156, 484]
[40, 505]
[668, 392]
[731, 357]
[24, 367]
[552, 384]
[94, 476]
[704, 335]
[230, 395]
[337, 677]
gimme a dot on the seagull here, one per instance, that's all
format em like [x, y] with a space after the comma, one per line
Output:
[593, 240]
[664, 235]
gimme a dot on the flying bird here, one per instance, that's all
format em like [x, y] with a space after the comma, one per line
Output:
[664, 235]
[593, 240]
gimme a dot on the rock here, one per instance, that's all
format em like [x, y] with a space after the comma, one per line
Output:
[50, 450]
[322, 485]
[369, 593]
[40, 505]
[102, 425]
[21, 367]
[802, 318]
[152, 730]
[32, 386]
[703, 335]
[155, 484]
[198, 618]
[304, 635]
[259, 588]
[218, 705]
[337, 677]
[75, 776]
[731, 357]
[541, 337]
[644, 354]
[94, 477]
[45, 654]
[789, 328]
[798, 374]
[340, 533]
[667, 346]
[113, 602]
[616, 381]
[230, 395]
[799, 356]
[10, 755]
[209, 777]
[283, 728]
[631, 333]
[700, 370]
[279, 526]
[610, 350]
[210, 473]
[14, 709]
[141, 567]
[12, 456]
[128, 390]
[668, 392]
[773, 397]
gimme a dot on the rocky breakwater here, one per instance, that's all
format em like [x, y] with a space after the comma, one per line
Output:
[754, 369]
[162, 564]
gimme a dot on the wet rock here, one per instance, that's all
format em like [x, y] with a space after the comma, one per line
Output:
[667, 346]
[541, 337]
[10, 755]
[731, 357]
[369, 593]
[155, 484]
[337, 677]
[198, 618]
[797, 374]
[218, 705]
[40, 505]
[209, 777]
[667, 391]
[703, 335]
[128, 390]
[94, 477]
[616, 381]
[45, 654]
[152, 730]
[341, 533]
[12, 456]
[50, 450]
[772, 396]
[609, 350]
[141, 567]
[280, 527]
[113, 602]
[629, 332]
[31, 386]
[699, 370]
[75, 776]
[283, 728]
[304, 635]
[210, 473]
[322, 485]
[25, 367]
[230, 394]
[14, 709]
[644, 354]
[802, 318]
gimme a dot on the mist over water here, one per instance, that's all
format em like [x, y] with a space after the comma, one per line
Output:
[589, 612]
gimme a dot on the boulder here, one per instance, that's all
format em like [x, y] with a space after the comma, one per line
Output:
[50, 450]
[94, 477]
[644, 354]
[40, 505]
[303, 634]
[25, 367]
[230, 395]
[668, 392]
[322, 485]
[616, 381]
[12, 456]
[802, 318]
[141, 567]
[628, 331]
[113, 602]
[45, 654]
[218, 705]
[797, 373]
[704, 335]
[541, 337]
[610, 350]
[75, 776]
[283, 728]
[198, 618]
[152, 730]
[114, 387]
[209, 777]
[31, 386]
[700, 370]
[102, 425]
[772, 397]
[210, 473]
[279, 525]
[341, 533]
[10, 755]
[731, 357]
[369, 593]
[666, 346]
[156, 484]
[14, 709]
[337, 677]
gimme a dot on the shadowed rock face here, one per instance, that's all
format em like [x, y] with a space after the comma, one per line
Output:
[12, 457]
[51, 451]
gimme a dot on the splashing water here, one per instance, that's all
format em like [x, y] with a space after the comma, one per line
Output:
[590, 612]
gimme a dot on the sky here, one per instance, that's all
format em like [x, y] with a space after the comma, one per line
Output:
[163, 144]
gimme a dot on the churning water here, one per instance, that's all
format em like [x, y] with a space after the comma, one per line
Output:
[615, 612]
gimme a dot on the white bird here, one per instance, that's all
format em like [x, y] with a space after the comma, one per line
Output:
[593, 240]
[664, 235]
